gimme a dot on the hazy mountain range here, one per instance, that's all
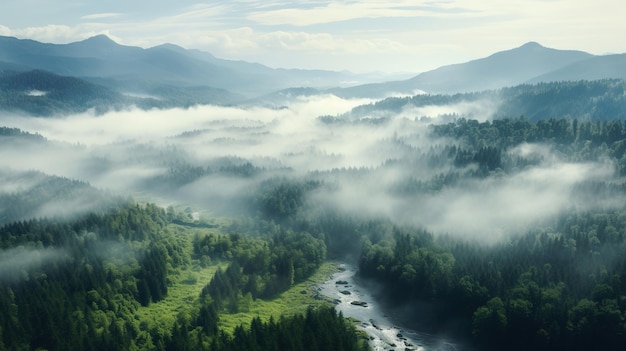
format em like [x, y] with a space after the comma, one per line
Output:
[101, 58]
[524, 64]
[115, 75]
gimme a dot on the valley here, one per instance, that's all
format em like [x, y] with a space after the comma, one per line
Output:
[185, 202]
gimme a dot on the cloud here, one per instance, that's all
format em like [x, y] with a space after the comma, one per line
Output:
[411, 36]
[493, 209]
[98, 16]
[16, 262]
[97, 150]
[177, 156]
[11, 182]
[59, 34]
[487, 210]
[333, 11]
[197, 12]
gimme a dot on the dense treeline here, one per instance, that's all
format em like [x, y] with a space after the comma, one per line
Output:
[320, 329]
[77, 284]
[595, 100]
[6, 133]
[560, 286]
[487, 143]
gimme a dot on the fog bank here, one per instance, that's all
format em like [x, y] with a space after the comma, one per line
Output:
[209, 156]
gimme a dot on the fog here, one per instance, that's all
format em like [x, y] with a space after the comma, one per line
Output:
[16, 262]
[182, 156]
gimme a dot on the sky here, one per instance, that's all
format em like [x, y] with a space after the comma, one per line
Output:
[360, 36]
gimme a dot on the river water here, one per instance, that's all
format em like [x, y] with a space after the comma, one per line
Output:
[355, 301]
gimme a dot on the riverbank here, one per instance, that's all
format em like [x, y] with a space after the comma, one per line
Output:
[354, 301]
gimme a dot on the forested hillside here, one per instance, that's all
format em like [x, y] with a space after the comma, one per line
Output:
[498, 233]
[83, 283]
[41, 93]
[595, 100]
[45, 94]
[558, 286]
[555, 283]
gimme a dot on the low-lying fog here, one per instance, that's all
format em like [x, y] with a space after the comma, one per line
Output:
[362, 163]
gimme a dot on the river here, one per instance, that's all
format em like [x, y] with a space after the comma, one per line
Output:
[355, 301]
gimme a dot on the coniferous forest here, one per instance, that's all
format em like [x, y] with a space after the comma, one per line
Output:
[497, 233]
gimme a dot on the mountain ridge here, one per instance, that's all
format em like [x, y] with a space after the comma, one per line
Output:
[504, 68]
[101, 57]
[136, 70]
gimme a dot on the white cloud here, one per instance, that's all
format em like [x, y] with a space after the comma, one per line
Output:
[411, 36]
[97, 16]
[333, 11]
[58, 34]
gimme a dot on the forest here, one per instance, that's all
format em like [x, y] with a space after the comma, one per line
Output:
[595, 100]
[558, 286]
[498, 233]
[80, 283]
[45, 94]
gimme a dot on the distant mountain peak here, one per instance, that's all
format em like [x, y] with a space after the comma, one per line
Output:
[170, 46]
[532, 45]
[100, 39]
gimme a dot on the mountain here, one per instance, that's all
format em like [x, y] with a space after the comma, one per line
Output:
[175, 76]
[42, 93]
[110, 63]
[502, 69]
[594, 68]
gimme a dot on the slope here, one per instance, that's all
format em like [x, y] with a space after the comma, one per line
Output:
[594, 68]
[505, 68]
[100, 57]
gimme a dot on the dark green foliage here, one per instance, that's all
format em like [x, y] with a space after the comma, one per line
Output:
[260, 268]
[281, 199]
[487, 144]
[319, 329]
[557, 287]
[152, 279]
[81, 280]
[69, 285]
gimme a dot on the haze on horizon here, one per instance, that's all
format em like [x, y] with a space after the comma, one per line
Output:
[364, 36]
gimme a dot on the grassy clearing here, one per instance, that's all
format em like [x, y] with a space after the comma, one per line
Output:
[181, 297]
[186, 284]
[293, 301]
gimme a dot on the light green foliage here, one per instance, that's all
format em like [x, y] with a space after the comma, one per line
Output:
[295, 300]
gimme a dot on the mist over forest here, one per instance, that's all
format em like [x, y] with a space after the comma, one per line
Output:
[488, 219]
[407, 168]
